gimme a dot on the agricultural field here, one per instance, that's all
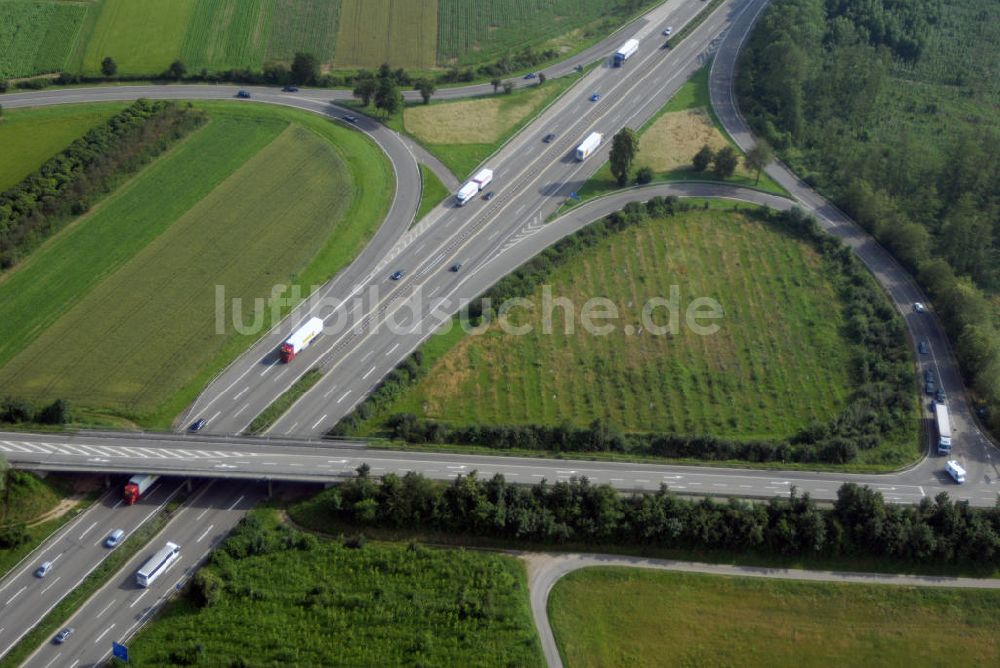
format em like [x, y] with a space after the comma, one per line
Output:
[119, 309]
[777, 363]
[323, 603]
[224, 33]
[31, 136]
[303, 25]
[474, 32]
[399, 32]
[463, 133]
[37, 36]
[143, 36]
[636, 617]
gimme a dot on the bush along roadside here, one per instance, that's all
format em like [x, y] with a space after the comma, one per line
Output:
[67, 184]
[860, 523]
[881, 404]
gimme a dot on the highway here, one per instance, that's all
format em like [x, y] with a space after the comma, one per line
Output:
[330, 461]
[74, 551]
[119, 608]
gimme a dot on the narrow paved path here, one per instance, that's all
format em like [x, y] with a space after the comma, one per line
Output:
[545, 569]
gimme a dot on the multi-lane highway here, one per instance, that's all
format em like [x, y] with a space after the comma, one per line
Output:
[120, 607]
[74, 551]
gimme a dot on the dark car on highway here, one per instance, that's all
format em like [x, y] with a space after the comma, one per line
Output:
[245, 94]
[930, 387]
[198, 424]
[290, 89]
[351, 119]
[397, 275]
[923, 348]
[548, 138]
[530, 75]
[456, 266]
[490, 195]
[63, 635]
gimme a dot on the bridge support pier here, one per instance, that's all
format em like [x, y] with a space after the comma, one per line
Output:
[187, 485]
[270, 488]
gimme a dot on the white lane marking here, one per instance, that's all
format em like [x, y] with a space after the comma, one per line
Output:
[16, 595]
[236, 501]
[370, 372]
[278, 377]
[54, 659]
[138, 598]
[120, 501]
[87, 530]
[292, 428]
[266, 369]
[210, 527]
[343, 396]
[101, 637]
[202, 514]
[58, 578]
[105, 608]
[73, 665]
[245, 406]
[217, 414]
[240, 394]
[319, 420]
[391, 350]
[330, 391]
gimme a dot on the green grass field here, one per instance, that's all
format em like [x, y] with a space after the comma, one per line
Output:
[633, 617]
[31, 136]
[143, 36]
[119, 309]
[232, 33]
[329, 605]
[304, 25]
[432, 191]
[777, 363]
[399, 32]
[25, 497]
[37, 36]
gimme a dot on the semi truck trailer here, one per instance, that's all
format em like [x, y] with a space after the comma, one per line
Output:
[588, 146]
[138, 485]
[626, 51]
[301, 338]
[474, 186]
[943, 421]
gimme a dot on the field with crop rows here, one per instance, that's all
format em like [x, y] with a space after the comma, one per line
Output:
[143, 36]
[633, 617]
[303, 25]
[37, 36]
[399, 32]
[119, 309]
[29, 137]
[777, 363]
[227, 33]
[325, 604]
[473, 32]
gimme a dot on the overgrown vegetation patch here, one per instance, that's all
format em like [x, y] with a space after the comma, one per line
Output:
[345, 602]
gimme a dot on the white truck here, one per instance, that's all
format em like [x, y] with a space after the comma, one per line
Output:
[956, 471]
[301, 338]
[589, 145]
[474, 186]
[943, 421]
[626, 51]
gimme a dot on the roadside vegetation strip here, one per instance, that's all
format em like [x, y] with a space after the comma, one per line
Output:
[635, 617]
[846, 112]
[31, 136]
[828, 381]
[693, 24]
[345, 602]
[270, 415]
[69, 605]
[463, 133]
[432, 192]
[37, 37]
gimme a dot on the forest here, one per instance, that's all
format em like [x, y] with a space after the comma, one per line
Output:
[860, 523]
[890, 109]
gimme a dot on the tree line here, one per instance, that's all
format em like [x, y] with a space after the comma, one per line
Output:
[66, 184]
[860, 523]
[879, 406]
[814, 81]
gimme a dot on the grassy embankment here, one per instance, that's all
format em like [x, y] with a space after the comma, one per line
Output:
[432, 191]
[29, 137]
[635, 617]
[260, 196]
[778, 363]
[322, 602]
[669, 141]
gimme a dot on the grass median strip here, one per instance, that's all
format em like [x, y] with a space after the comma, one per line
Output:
[270, 415]
[432, 193]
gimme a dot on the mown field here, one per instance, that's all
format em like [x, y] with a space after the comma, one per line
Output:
[321, 603]
[634, 617]
[118, 312]
[777, 363]
[31, 136]
[143, 36]
[37, 35]
[399, 32]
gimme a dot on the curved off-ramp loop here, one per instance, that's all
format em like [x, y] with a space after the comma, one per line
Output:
[545, 569]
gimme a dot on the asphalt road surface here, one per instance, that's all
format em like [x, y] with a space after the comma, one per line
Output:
[74, 551]
[252, 458]
[117, 610]
[544, 570]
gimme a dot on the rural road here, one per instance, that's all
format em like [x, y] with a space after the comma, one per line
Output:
[545, 570]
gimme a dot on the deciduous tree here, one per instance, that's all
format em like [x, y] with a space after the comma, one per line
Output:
[624, 148]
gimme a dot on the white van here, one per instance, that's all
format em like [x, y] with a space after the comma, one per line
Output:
[956, 471]
[115, 538]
